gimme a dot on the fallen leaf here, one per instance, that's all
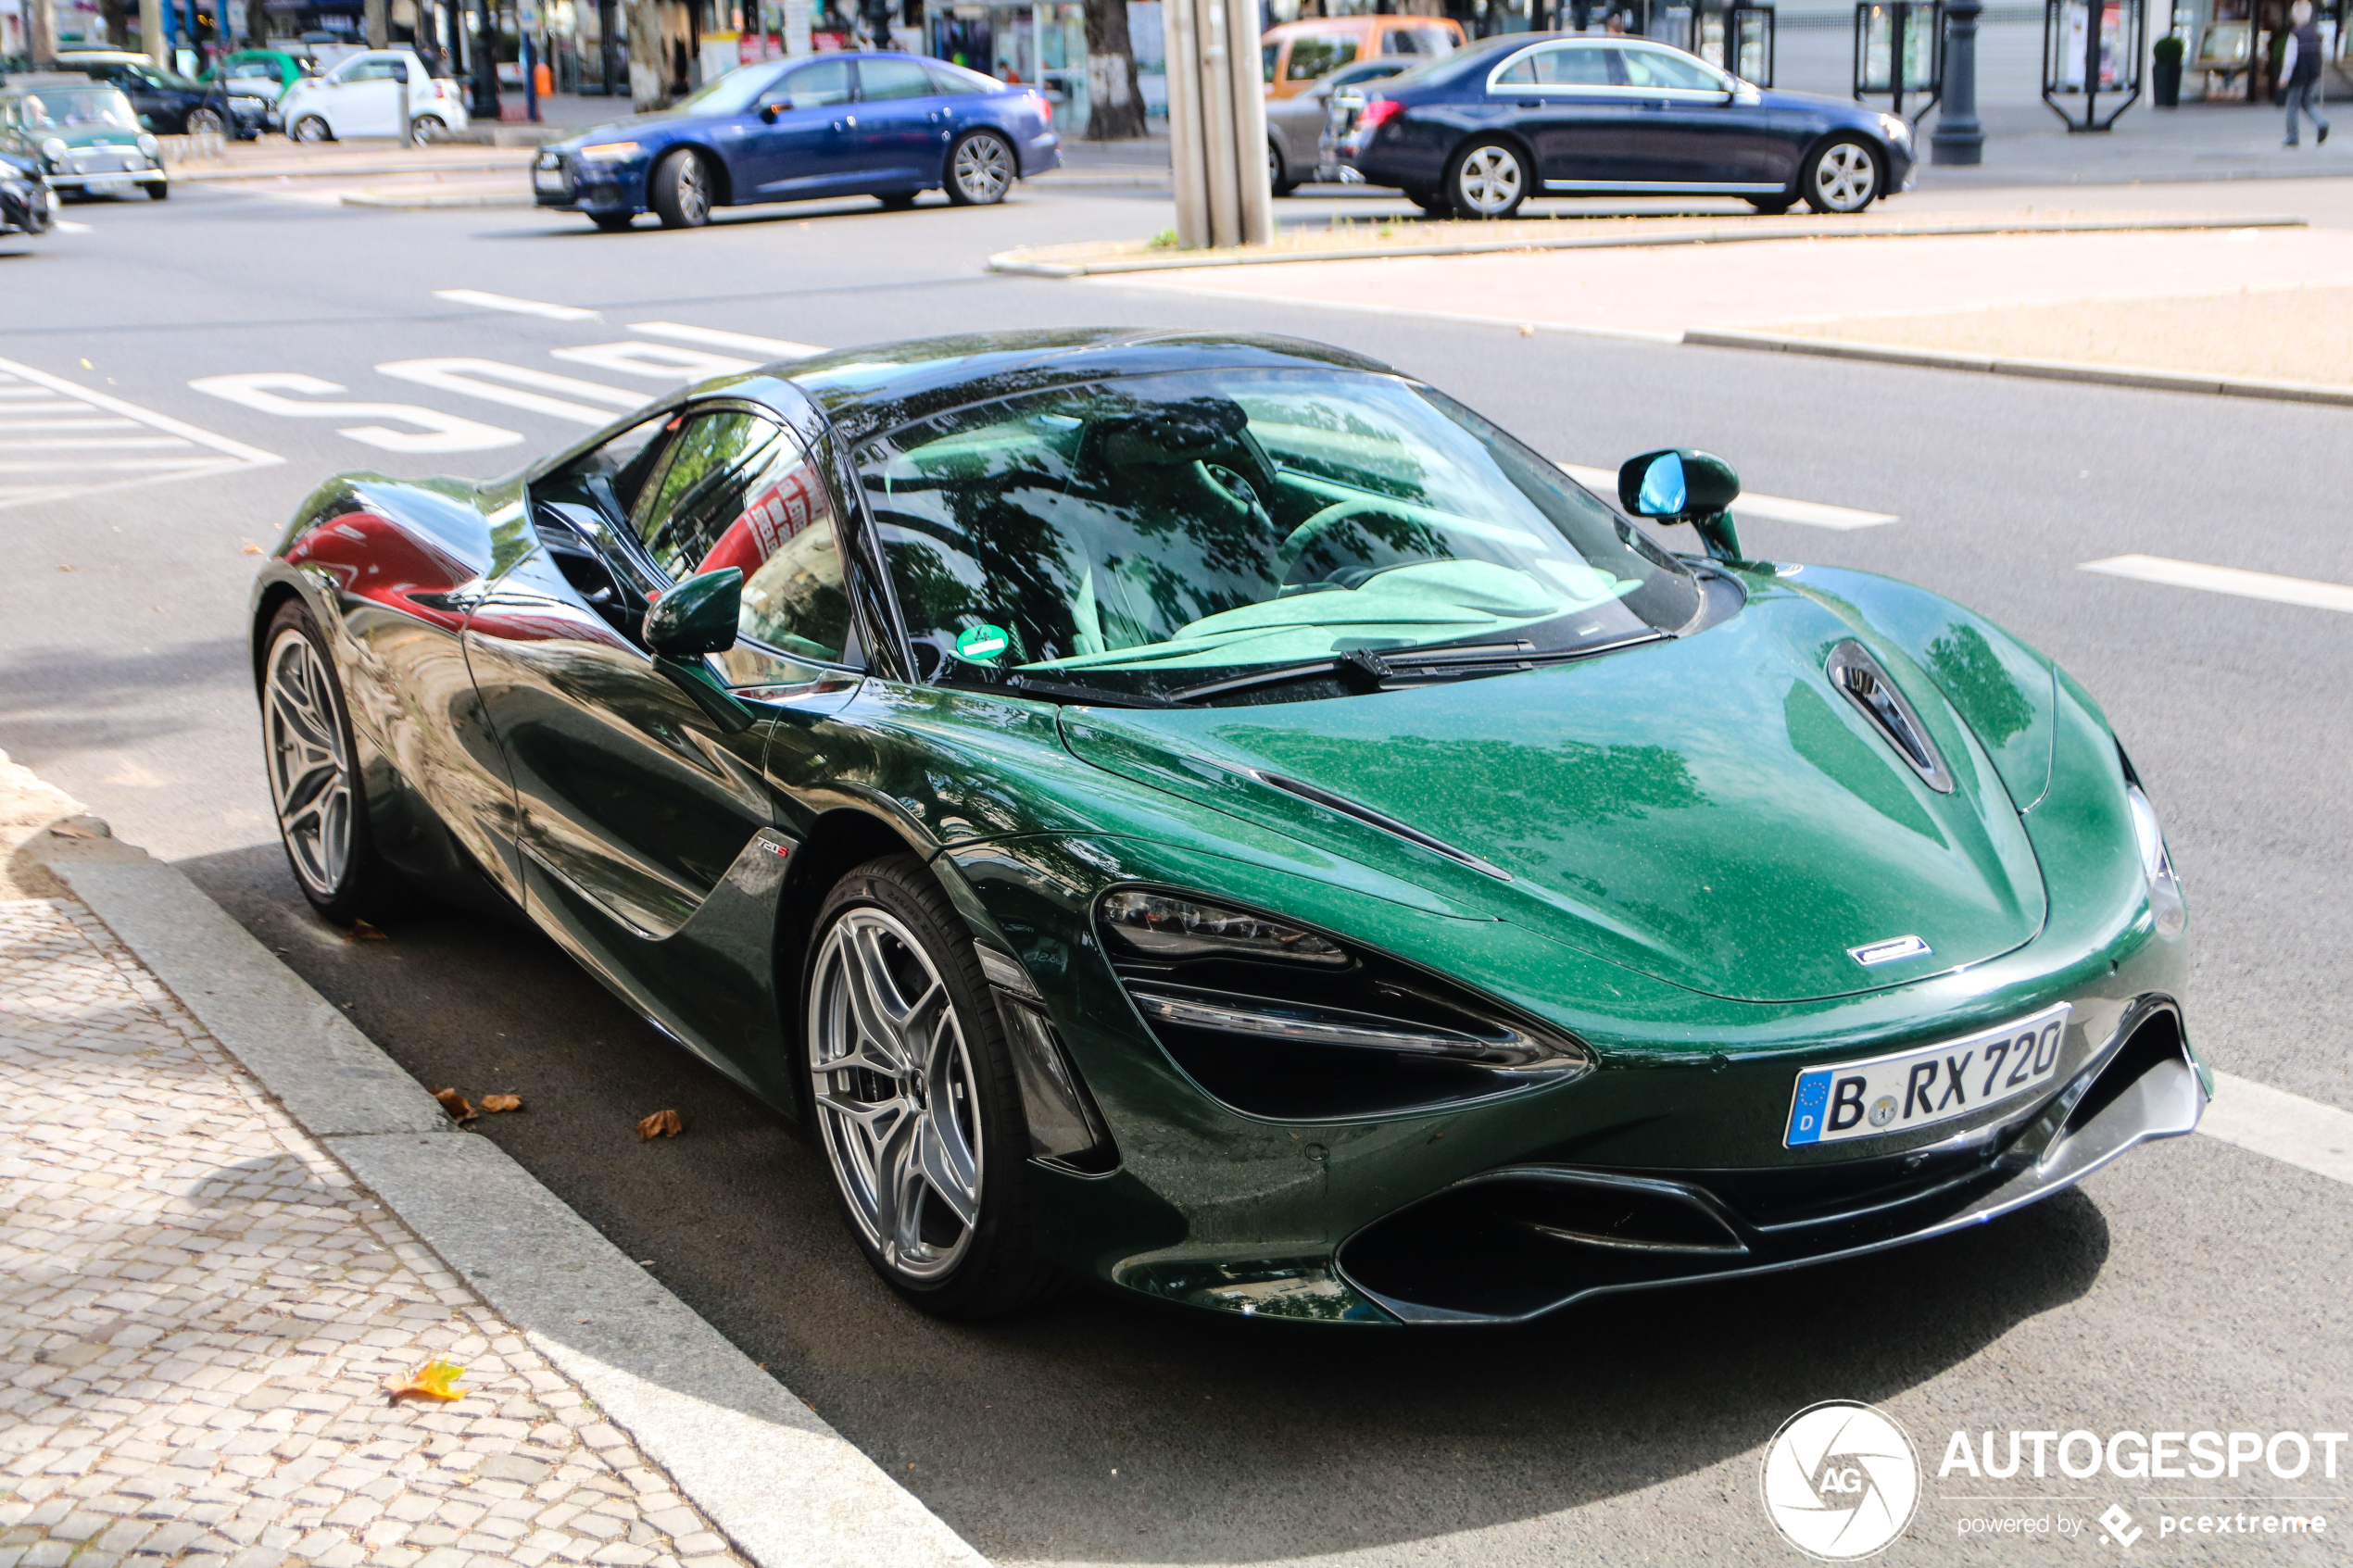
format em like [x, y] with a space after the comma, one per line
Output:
[502, 1102]
[251, 549]
[660, 1124]
[362, 932]
[66, 830]
[454, 1103]
[65, 568]
[436, 1379]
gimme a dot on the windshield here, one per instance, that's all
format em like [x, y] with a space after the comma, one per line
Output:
[76, 109]
[1158, 534]
[732, 94]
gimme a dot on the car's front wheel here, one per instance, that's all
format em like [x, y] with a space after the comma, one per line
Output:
[1487, 180]
[1771, 206]
[158, 190]
[316, 791]
[311, 128]
[913, 1097]
[681, 191]
[1841, 176]
[980, 170]
[205, 122]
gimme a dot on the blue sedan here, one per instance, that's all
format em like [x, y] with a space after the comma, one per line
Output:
[1476, 133]
[844, 124]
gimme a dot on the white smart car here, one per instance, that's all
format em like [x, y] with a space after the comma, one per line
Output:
[361, 97]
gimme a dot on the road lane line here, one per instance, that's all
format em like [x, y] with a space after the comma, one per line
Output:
[767, 347]
[2302, 591]
[520, 307]
[2287, 1127]
[67, 424]
[204, 453]
[50, 405]
[66, 226]
[479, 378]
[264, 390]
[659, 361]
[92, 443]
[1777, 508]
[87, 465]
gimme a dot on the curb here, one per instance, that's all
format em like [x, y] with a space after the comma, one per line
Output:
[431, 203]
[785, 1488]
[355, 170]
[1013, 261]
[2146, 378]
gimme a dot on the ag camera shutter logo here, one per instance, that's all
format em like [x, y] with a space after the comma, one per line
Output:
[1841, 1481]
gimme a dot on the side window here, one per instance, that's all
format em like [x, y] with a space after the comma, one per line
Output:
[1314, 57]
[1579, 65]
[1656, 67]
[813, 87]
[1267, 56]
[1520, 73]
[879, 79]
[952, 82]
[612, 477]
[740, 491]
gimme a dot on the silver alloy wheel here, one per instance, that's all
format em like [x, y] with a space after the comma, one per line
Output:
[896, 1097]
[309, 775]
[694, 192]
[311, 128]
[983, 170]
[1845, 177]
[204, 122]
[1488, 181]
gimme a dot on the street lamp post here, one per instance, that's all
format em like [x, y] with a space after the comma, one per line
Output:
[1959, 138]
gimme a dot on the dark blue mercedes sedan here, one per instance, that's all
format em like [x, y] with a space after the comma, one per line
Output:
[845, 124]
[1478, 132]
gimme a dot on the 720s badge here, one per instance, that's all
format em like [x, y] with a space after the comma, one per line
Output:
[1919, 1089]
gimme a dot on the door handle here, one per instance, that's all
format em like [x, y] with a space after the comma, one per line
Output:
[1532, 103]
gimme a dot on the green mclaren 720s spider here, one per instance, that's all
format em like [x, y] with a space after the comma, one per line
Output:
[1211, 815]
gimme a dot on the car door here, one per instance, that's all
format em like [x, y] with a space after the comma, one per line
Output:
[1569, 106]
[804, 141]
[363, 98]
[1695, 128]
[1296, 124]
[157, 111]
[903, 122]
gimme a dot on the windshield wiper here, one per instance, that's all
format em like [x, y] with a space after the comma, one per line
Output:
[1364, 670]
[1065, 691]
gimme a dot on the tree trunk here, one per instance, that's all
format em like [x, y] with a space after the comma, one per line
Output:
[118, 22]
[1114, 103]
[648, 73]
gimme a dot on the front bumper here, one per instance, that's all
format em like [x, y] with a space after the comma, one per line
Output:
[572, 186]
[100, 177]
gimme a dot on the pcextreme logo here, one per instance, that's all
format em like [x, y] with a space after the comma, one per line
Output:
[1840, 1480]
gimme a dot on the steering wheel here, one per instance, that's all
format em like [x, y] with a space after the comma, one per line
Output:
[1296, 545]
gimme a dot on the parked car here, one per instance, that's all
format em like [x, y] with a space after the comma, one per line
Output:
[1294, 55]
[25, 206]
[84, 138]
[276, 71]
[1295, 125]
[361, 97]
[1211, 815]
[848, 123]
[170, 104]
[1477, 134]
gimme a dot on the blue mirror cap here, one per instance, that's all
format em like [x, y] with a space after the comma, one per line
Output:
[1676, 485]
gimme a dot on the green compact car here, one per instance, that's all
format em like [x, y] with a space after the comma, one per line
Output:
[84, 137]
[274, 69]
[1211, 815]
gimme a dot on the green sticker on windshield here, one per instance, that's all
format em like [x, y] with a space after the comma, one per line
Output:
[981, 645]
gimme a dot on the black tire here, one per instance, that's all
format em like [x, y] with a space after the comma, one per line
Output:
[1279, 180]
[899, 201]
[311, 128]
[1843, 175]
[1432, 203]
[429, 127]
[613, 222]
[158, 190]
[681, 191]
[306, 732]
[981, 168]
[204, 122]
[1772, 207]
[1487, 179]
[892, 910]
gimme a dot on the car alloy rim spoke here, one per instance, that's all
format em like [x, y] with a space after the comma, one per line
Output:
[980, 167]
[1490, 178]
[309, 778]
[947, 1166]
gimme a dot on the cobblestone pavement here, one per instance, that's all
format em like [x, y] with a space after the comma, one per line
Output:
[199, 1312]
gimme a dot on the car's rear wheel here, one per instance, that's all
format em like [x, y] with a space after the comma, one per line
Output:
[1488, 178]
[1279, 180]
[311, 128]
[429, 127]
[315, 790]
[681, 191]
[1841, 176]
[613, 222]
[980, 170]
[914, 1097]
[205, 122]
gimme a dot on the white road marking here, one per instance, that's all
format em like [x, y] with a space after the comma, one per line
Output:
[1777, 508]
[2287, 1127]
[766, 347]
[444, 432]
[520, 307]
[659, 361]
[66, 226]
[66, 465]
[479, 378]
[2302, 591]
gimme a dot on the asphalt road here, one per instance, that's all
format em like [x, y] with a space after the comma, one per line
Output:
[2196, 1285]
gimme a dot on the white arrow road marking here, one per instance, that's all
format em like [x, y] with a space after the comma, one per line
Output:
[1777, 509]
[520, 307]
[659, 361]
[2288, 1127]
[57, 465]
[766, 347]
[443, 433]
[2302, 591]
[479, 378]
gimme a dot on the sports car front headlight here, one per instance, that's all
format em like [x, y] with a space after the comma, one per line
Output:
[2166, 901]
[1157, 926]
[608, 152]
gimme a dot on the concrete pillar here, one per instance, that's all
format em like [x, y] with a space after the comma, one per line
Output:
[150, 30]
[1217, 123]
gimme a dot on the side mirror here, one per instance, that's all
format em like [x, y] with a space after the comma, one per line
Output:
[768, 112]
[1681, 485]
[697, 617]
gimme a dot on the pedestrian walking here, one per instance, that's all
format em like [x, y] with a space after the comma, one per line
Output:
[2300, 64]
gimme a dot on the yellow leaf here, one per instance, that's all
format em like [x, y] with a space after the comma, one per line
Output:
[454, 1103]
[502, 1102]
[660, 1124]
[436, 1379]
[362, 932]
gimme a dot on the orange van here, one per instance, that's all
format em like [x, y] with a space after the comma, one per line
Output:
[1298, 54]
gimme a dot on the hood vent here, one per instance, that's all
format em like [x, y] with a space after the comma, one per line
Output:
[1854, 672]
[1371, 818]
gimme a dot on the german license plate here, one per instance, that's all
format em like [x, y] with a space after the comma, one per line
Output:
[1887, 1095]
[107, 184]
[548, 179]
